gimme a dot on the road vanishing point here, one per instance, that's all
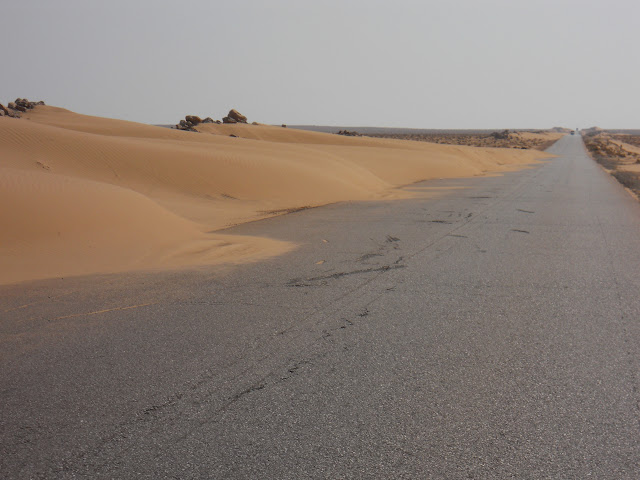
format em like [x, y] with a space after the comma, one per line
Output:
[488, 330]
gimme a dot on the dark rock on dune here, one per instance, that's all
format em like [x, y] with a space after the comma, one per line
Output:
[26, 104]
[284, 126]
[193, 119]
[190, 121]
[20, 105]
[237, 116]
[349, 133]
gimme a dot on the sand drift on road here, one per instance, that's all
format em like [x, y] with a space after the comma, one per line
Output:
[83, 195]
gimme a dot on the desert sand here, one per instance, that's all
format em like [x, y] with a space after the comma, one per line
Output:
[83, 195]
[539, 140]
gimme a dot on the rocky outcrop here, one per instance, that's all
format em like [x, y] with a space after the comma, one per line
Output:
[237, 116]
[20, 105]
[349, 133]
[190, 121]
[193, 119]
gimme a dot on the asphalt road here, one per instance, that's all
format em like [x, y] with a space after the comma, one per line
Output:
[492, 331]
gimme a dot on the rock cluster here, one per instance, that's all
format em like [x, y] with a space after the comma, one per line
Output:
[349, 133]
[193, 119]
[20, 105]
[234, 116]
[190, 121]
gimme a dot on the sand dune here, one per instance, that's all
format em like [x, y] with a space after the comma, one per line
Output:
[58, 225]
[83, 194]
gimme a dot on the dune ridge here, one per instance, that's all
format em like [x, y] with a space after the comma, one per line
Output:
[83, 194]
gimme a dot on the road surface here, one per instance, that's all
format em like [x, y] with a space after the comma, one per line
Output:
[491, 330]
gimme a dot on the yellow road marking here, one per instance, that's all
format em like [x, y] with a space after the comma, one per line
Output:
[37, 301]
[97, 312]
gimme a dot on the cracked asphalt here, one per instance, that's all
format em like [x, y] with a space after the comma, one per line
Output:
[490, 331]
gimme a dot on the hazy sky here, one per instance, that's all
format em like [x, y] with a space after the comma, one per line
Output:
[423, 64]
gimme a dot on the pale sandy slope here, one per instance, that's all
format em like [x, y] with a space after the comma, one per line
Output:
[82, 194]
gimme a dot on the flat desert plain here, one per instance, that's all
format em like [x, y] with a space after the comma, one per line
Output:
[84, 195]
